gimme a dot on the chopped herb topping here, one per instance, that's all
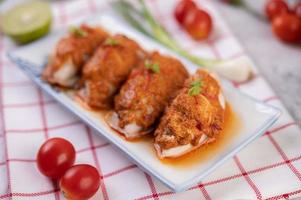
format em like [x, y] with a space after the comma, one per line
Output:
[195, 87]
[154, 67]
[111, 42]
[77, 31]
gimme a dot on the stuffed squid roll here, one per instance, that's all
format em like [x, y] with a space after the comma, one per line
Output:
[71, 53]
[146, 93]
[195, 117]
[108, 68]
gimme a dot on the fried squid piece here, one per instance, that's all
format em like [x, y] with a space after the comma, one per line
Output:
[146, 93]
[194, 118]
[71, 53]
[107, 70]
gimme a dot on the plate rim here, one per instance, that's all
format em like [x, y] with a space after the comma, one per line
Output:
[274, 112]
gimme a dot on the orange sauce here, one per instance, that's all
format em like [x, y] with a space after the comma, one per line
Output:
[230, 130]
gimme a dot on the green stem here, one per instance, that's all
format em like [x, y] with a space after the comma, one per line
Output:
[127, 10]
[163, 36]
[157, 31]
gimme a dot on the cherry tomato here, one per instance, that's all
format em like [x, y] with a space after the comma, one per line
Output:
[297, 9]
[55, 156]
[80, 182]
[182, 9]
[287, 27]
[198, 24]
[274, 8]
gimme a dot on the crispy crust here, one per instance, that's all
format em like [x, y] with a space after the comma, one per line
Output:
[74, 50]
[189, 117]
[145, 94]
[106, 71]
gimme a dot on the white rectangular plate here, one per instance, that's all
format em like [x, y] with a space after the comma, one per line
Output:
[255, 117]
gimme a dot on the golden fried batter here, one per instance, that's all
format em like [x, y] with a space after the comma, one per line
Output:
[148, 90]
[190, 116]
[108, 68]
[71, 53]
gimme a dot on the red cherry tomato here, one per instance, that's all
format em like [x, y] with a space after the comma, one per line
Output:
[198, 24]
[182, 9]
[287, 27]
[274, 8]
[297, 9]
[55, 156]
[80, 182]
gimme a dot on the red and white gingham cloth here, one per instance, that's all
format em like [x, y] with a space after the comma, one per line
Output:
[268, 168]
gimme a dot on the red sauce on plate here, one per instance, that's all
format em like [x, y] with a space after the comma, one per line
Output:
[230, 130]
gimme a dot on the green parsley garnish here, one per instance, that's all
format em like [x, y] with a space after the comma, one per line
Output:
[77, 31]
[111, 42]
[195, 87]
[152, 66]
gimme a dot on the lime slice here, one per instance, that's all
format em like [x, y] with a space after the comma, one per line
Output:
[27, 21]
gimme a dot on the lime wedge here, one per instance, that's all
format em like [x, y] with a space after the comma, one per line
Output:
[27, 21]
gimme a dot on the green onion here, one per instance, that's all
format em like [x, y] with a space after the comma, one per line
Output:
[77, 31]
[233, 69]
[195, 88]
[154, 67]
[111, 42]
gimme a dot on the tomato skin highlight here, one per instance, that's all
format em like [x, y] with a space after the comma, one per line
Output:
[198, 24]
[80, 182]
[287, 27]
[275, 8]
[182, 9]
[55, 157]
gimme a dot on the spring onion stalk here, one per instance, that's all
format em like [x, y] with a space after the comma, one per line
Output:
[237, 70]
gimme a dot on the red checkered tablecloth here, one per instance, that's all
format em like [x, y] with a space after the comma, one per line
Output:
[269, 168]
